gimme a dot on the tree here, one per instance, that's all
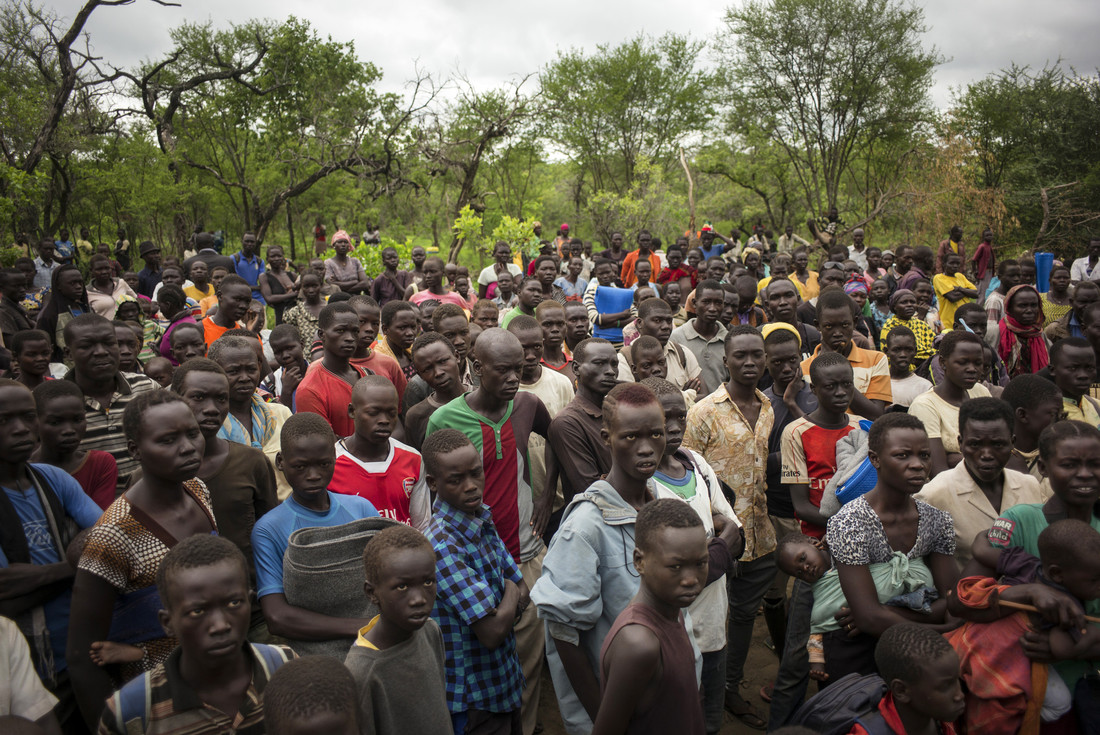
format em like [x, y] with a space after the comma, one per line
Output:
[44, 64]
[1036, 135]
[268, 111]
[836, 83]
[456, 142]
[640, 99]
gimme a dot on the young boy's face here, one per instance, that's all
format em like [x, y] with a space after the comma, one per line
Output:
[185, 344]
[131, 279]
[307, 462]
[288, 351]
[234, 301]
[675, 569]
[207, 395]
[500, 371]
[636, 435]
[1042, 416]
[61, 424]
[35, 358]
[576, 321]
[438, 367]
[1081, 580]
[834, 388]
[650, 363]
[936, 693]
[208, 610]
[243, 370]
[807, 561]
[456, 330]
[128, 348]
[675, 411]
[170, 445]
[951, 265]
[486, 318]
[461, 483]
[375, 413]
[341, 336]
[900, 351]
[17, 415]
[673, 295]
[552, 323]
[402, 330]
[405, 590]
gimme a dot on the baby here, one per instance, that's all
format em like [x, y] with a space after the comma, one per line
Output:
[901, 582]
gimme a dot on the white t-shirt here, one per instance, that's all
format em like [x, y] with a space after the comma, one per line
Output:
[908, 388]
[21, 691]
[489, 274]
[940, 418]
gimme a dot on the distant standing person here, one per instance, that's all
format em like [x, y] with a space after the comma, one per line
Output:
[249, 265]
[502, 257]
[344, 271]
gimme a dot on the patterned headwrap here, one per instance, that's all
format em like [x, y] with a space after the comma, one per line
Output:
[746, 251]
[340, 235]
[854, 285]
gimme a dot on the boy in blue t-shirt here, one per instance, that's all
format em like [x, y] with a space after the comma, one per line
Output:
[41, 509]
[307, 459]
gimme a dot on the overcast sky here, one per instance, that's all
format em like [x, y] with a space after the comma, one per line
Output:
[493, 40]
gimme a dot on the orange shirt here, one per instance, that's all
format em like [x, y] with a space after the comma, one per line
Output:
[211, 331]
[627, 274]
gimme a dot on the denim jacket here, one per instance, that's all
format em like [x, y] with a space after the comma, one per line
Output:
[588, 578]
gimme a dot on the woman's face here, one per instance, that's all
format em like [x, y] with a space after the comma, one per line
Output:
[1059, 280]
[694, 257]
[276, 259]
[904, 460]
[1074, 471]
[129, 312]
[71, 285]
[887, 260]
[1025, 307]
[752, 261]
[433, 273]
[801, 260]
[860, 297]
[963, 367]
[546, 272]
[905, 307]
[101, 271]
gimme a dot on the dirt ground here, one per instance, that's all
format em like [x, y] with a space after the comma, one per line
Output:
[759, 670]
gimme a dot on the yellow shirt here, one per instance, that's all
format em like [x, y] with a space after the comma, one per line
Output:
[362, 639]
[194, 292]
[943, 283]
[1083, 411]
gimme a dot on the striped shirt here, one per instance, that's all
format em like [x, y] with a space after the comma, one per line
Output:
[104, 430]
[174, 706]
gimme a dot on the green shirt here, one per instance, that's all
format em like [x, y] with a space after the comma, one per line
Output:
[1020, 526]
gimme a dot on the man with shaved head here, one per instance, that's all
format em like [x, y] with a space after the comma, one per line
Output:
[499, 420]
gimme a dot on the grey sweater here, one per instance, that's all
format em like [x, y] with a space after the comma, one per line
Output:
[401, 689]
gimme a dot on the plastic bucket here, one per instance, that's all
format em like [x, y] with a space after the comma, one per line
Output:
[1044, 264]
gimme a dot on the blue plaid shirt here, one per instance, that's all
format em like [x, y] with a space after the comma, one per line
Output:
[472, 564]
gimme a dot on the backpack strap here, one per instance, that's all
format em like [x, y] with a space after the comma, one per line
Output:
[134, 702]
[874, 723]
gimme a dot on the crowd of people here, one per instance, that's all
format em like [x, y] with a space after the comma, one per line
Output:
[420, 489]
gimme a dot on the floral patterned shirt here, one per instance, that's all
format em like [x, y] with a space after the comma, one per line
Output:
[738, 453]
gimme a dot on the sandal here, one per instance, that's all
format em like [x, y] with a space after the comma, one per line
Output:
[743, 711]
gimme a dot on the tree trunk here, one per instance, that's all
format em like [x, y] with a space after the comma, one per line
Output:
[290, 232]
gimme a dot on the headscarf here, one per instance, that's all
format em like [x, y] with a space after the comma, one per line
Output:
[854, 285]
[1018, 341]
[894, 297]
[773, 326]
[339, 235]
[746, 251]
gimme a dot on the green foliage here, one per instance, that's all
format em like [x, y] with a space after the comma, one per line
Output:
[835, 82]
[637, 100]
[648, 203]
[518, 234]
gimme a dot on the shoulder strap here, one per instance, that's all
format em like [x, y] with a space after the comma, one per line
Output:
[874, 723]
[134, 701]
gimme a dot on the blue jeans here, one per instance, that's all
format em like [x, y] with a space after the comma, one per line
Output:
[714, 682]
[793, 677]
[745, 593]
